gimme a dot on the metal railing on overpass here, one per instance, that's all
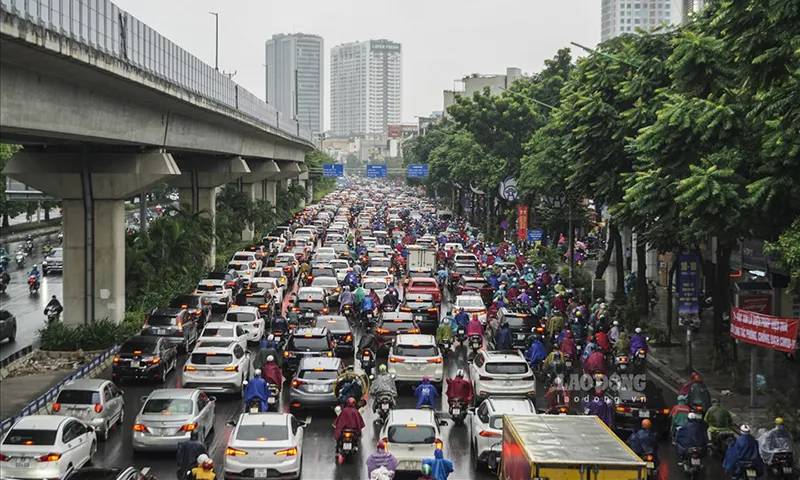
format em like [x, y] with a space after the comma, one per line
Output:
[107, 29]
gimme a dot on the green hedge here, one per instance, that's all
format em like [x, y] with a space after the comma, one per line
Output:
[27, 227]
[98, 335]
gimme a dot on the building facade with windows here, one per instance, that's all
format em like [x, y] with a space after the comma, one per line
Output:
[626, 16]
[295, 78]
[366, 87]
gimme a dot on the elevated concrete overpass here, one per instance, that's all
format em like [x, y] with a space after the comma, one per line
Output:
[107, 108]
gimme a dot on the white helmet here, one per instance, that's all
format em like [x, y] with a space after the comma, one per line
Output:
[557, 381]
[744, 429]
[271, 337]
[270, 358]
[603, 305]
[257, 372]
[638, 330]
[692, 416]
[202, 458]
[616, 323]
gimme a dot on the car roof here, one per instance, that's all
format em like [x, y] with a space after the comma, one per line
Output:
[373, 279]
[242, 309]
[328, 363]
[219, 325]
[408, 415]
[510, 405]
[407, 316]
[211, 281]
[85, 384]
[166, 311]
[309, 289]
[264, 418]
[315, 331]
[40, 422]
[215, 348]
[178, 393]
[142, 339]
[415, 339]
[500, 356]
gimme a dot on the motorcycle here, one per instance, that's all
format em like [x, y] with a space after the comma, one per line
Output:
[569, 360]
[445, 346]
[621, 362]
[558, 410]
[692, 463]
[458, 410]
[347, 310]
[274, 395]
[719, 442]
[640, 359]
[20, 259]
[28, 246]
[52, 314]
[747, 471]
[460, 333]
[781, 465]
[367, 317]
[367, 359]
[347, 445]
[33, 284]
[60, 237]
[253, 406]
[650, 463]
[475, 343]
[384, 402]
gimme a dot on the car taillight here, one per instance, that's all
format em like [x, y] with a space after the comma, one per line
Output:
[234, 368]
[348, 338]
[413, 330]
[231, 284]
[288, 354]
[198, 312]
[297, 383]
[289, 452]
[189, 368]
[405, 309]
[648, 458]
[3, 458]
[188, 427]
[665, 411]
[435, 360]
[695, 453]
[622, 408]
[116, 359]
[233, 452]
[138, 427]
[396, 360]
[50, 457]
[433, 310]
[98, 408]
[439, 444]
[56, 407]
[381, 330]
[487, 434]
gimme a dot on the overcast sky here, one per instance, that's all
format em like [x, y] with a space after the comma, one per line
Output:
[442, 40]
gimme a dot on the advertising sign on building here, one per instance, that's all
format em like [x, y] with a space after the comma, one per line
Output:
[688, 290]
[394, 131]
[764, 330]
[756, 303]
[535, 236]
[522, 222]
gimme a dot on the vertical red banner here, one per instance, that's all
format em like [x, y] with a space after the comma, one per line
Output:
[522, 222]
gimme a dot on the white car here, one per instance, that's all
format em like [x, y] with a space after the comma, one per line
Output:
[46, 446]
[487, 426]
[223, 331]
[324, 251]
[342, 268]
[501, 374]
[469, 258]
[379, 284]
[250, 258]
[369, 241]
[216, 291]
[249, 318]
[413, 356]
[217, 368]
[265, 442]
[273, 285]
[408, 433]
[455, 246]
[242, 267]
[471, 304]
[330, 285]
[379, 272]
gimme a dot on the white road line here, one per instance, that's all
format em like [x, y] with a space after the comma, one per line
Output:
[666, 383]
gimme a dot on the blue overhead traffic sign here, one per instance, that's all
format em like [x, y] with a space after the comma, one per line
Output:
[418, 170]
[376, 171]
[332, 170]
[535, 235]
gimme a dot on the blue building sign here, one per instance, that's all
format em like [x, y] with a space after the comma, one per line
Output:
[376, 171]
[419, 170]
[535, 235]
[332, 170]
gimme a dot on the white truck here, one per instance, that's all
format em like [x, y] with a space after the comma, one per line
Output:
[421, 259]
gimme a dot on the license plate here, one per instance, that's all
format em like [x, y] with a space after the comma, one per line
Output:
[23, 463]
[644, 413]
[135, 364]
[253, 409]
[318, 388]
[161, 331]
[260, 472]
[568, 364]
[366, 358]
[415, 366]
[456, 411]
[419, 318]
[476, 345]
[506, 383]
[520, 336]
[751, 473]
[209, 374]
[309, 315]
[695, 461]
[385, 406]
[271, 400]
[651, 465]
[347, 446]
[78, 413]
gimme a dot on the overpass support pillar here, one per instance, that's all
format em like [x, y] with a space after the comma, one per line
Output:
[271, 192]
[254, 185]
[289, 170]
[198, 182]
[304, 182]
[93, 187]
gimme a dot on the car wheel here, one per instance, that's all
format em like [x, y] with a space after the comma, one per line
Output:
[104, 433]
[121, 418]
[92, 451]
[13, 335]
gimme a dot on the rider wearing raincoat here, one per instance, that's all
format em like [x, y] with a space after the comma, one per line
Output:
[777, 440]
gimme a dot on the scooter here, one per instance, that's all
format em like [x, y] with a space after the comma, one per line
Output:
[650, 463]
[475, 343]
[52, 314]
[747, 471]
[274, 395]
[458, 410]
[445, 346]
[692, 463]
[719, 442]
[621, 362]
[28, 246]
[347, 445]
[33, 284]
[367, 359]
[781, 465]
[253, 406]
[20, 259]
[384, 402]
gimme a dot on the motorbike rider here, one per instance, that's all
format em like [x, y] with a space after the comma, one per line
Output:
[188, 452]
[691, 435]
[392, 298]
[367, 305]
[204, 469]
[359, 295]
[536, 353]
[638, 341]
[348, 419]
[381, 458]
[600, 407]
[554, 366]
[504, 339]
[441, 467]
[699, 395]
[350, 387]
[474, 327]
[268, 347]
[462, 318]
[441, 276]
[679, 415]
[596, 362]
[426, 393]
[54, 303]
[304, 270]
[567, 345]
[444, 331]
[346, 298]
[718, 419]
[376, 300]
[368, 341]
[35, 273]
[459, 388]
[613, 333]
[602, 340]
[425, 473]
[745, 449]
[557, 396]
[777, 440]
[271, 372]
[383, 384]
[257, 389]
[645, 441]
[591, 347]
[540, 310]
[688, 385]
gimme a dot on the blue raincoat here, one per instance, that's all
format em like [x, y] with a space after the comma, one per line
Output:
[744, 450]
[441, 468]
[257, 388]
[426, 394]
[691, 434]
[536, 353]
[505, 339]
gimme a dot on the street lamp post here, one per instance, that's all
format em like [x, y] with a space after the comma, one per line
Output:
[216, 39]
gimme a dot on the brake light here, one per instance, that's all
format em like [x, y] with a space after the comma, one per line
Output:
[396, 360]
[622, 408]
[98, 408]
[288, 354]
[366, 353]
[189, 368]
[433, 310]
[56, 407]
[665, 411]
[439, 444]
[50, 457]
[488, 434]
[234, 368]
[405, 309]
[233, 452]
[155, 360]
[347, 434]
[348, 338]
[297, 383]
[189, 427]
[3, 458]
[139, 428]
[381, 330]
[435, 360]
[325, 310]
[413, 330]
[231, 284]
[649, 458]
[116, 359]
[289, 452]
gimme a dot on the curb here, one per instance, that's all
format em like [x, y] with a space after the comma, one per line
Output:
[43, 404]
[18, 237]
[15, 360]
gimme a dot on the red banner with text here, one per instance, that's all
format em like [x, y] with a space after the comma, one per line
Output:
[522, 222]
[764, 330]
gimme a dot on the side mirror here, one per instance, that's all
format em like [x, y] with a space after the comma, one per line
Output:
[248, 352]
[471, 410]
[443, 423]
[230, 423]
[301, 424]
[120, 393]
[213, 399]
[143, 398]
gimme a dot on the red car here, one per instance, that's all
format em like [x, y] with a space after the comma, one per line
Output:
[475, 284]
[424, 285]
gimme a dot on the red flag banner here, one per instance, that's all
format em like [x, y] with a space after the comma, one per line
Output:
[764, 330]
[522, 222]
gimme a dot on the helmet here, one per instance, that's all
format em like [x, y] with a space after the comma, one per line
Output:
[257, 372]
[779, 421]
[557, 381]
[381, 445]
[460, 373]
[54, 297]
[557, 356]
[475, 316]
[444, 321]
[646, 423]
[270, 358]
[616, 323]
[202, 458]
[692, 416]
[603, 305]
[715, 401]
[271, 337]
[426, 469]
[426, 378]
[35, 266]
[744, 429]
[638, 330]
[351, 402]
[382, 369]
[696, 377]
[578, 313]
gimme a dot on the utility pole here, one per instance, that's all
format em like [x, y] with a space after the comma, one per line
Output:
[216, 40]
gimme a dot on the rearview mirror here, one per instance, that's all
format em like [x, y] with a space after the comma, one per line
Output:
[443, 423]
[471, 409]
[230, 423]
[120, 393]
[143, 398]
[213, 399]
[301, 424]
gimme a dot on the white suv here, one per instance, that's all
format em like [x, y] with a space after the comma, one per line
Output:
[414, 356]
[216, 291]
[501, 374]
[487, 426]
[410, 435]
[249, 318]
[249, 258]
[217, 368]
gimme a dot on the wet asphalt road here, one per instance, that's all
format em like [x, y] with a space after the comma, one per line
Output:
[319, 458]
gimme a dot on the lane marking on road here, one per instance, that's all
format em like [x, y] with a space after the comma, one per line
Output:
[308, 420]
[664, 382]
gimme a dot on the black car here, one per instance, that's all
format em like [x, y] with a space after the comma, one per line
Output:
[636, 400]
[257, 297]
[198, 306]
[392, 324]
[231, 277]
[425, 310]
[458, 270]
[174, 324]
[143, 357]
[520, 322]
[307, 342]
[341, 331]
[308, 308]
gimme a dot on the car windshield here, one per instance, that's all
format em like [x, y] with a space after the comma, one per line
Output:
[415, 274]
[380, 263]
[262, 433]
[424, 284]
[466, 269]
[322, 272]
[162, 320]
[317, 374]
[211, 358]
[217, 332]
[339, 264]
[240, 267]
[470, 302]
[397, 325]
[374, 286]
[416, 351]
[327, 282]
[141, 347]
[417, 434]
[242, 257]
[476, 284]
[524, 322]
[79, 397]
[284, 261]
[241, 317]
[314, 344]
[168, 406]
[273, 274]
[188, 301]
[209, 288]
[21, 436]
[332, 323]
[506, 368]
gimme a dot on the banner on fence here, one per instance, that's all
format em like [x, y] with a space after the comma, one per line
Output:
[764, 330]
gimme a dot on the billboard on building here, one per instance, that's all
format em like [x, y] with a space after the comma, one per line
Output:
[395, 131]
